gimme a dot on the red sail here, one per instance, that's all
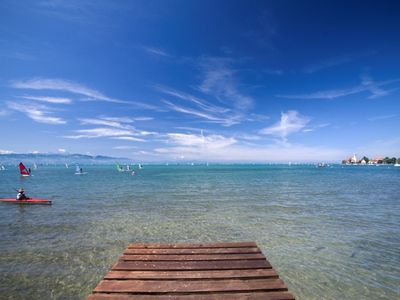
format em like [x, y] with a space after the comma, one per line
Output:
[22, 169]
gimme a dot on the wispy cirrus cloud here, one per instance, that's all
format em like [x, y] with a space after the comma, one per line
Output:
[54, 100]
[290, 122]
[112, 127]
[156, 51]
[367, 85]
[382, 117]
[201, 103]
[56, 84]
[220, 82]
[61, 85]
[38, 113]
[328, 64]
[124, 147]
[212, 118]
[106, 122]
[98, 133]
[129, 138]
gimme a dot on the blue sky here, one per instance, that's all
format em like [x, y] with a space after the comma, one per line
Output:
[260, 81]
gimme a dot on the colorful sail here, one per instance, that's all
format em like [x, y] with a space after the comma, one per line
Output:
[22, 169]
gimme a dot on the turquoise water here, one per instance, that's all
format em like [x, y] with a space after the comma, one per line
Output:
[332, 233]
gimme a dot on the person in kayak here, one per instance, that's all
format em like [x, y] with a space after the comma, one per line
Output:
[21, 194]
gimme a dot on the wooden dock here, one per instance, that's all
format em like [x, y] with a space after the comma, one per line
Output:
[192, 271]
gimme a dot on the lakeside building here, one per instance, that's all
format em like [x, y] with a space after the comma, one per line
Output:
[376, 160]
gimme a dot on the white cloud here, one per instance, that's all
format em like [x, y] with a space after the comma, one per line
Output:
[105, 122]
[202, 104]
[382, 117]
[227, 149]
[62, 150]
[75, 88]
[290, 122]
[224, 120]
[328, 64]
[124, 147]
[367, 85]
[61, 85]
[143, 118]
[99, 132]
[2, 151]
[220, 82]
[129, 138]
[156, 51]
[38, 113]
[56, 100]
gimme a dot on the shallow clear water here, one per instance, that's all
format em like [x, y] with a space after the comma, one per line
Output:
[332, 233]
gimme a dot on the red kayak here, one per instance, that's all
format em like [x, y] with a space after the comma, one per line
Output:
[26, 201]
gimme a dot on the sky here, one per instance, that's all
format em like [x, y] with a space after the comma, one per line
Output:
[217, 81]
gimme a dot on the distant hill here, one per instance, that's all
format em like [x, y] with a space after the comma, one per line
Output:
[57, 158]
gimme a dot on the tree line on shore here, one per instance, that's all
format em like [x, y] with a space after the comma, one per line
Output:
[386, 160]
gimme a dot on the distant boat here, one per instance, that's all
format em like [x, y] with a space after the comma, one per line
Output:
[66, 165]
[322, 165]
[78, 171]
[140, 166]
[119, 168]
[126, 169]
[23, 170]
[2, 168]
[397, 165]
[34, 166]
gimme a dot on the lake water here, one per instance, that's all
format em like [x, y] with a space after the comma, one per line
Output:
[331, 233]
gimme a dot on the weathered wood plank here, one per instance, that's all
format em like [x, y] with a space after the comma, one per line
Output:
[191, 265]
[192, 275]
[193, 251]
[182, 286]
[199, 257]
[217, 296]
[216, 271]
[191, 246]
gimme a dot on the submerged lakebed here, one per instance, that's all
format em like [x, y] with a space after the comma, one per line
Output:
[331, 233]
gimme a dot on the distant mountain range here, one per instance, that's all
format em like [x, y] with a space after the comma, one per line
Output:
[57, 158]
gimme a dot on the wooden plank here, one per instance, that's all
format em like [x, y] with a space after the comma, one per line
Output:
[191, 265]
[191, 246]
[217, 296]
[192, 275]
[182, 286]
[194, 251]
[208, 257]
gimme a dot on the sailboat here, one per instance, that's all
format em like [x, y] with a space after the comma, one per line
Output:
[2, 168]
[23, 170]
[34, 166]
[66, 165]
[119, 168]
[140, 166]
[78, 171]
